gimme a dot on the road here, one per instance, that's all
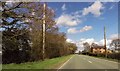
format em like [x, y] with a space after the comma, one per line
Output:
[88, 62]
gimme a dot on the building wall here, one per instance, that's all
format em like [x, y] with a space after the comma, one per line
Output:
[100, 50]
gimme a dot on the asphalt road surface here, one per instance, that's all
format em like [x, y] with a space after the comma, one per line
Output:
[88, 62]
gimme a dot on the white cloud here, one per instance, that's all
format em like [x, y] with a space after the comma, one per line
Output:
[63, 7]
[94, 9]
[111, 7]
[72, 30]
[83, 40]
[92, 40]
[69, 40]
[79, 44]
[108, 41]
[86, 28]
[77, 12]
[114, 36]
[101, 42]
[68, 20]
[108, 0]
[89, 40]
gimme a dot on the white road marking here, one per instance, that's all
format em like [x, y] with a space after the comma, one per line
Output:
[102, 59]
[65, 63]
[105, 60]
[89, 61]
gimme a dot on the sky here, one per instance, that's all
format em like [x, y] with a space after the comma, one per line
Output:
[85, 21]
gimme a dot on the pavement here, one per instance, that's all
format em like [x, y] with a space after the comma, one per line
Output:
[88, 62]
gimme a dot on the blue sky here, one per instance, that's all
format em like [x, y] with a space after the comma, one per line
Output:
[86, 20]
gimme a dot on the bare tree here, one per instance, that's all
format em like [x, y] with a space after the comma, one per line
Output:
[115, 43]
[86, 47]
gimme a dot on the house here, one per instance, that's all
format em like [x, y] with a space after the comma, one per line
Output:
[99, 49]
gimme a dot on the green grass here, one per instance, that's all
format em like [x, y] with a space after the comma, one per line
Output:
[47, 64]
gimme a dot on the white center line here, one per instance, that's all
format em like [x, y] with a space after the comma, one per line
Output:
[89, 61]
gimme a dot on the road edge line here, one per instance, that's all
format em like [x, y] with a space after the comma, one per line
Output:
[65, 63]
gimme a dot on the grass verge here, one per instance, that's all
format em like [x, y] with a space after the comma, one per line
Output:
[53, 63]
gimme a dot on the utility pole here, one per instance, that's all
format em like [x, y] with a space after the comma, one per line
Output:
[43, 31]
[105, 42]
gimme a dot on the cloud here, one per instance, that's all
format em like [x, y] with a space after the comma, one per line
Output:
[74, 30]
[92, 40]
[86, 28]
[63, 7]
[89, 40]
[101, 42]
[111, 7]
[109, 40]
[83, 40]
[108, 0]
[114, 36]
[79, 12]
[68, 20]
[69, 40]
[94, 9]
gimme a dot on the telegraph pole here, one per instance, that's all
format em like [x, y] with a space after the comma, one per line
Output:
[43, 31]
[105, 42]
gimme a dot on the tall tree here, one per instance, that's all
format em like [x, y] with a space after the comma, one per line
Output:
[86, 47]
[94, 45]
[72, 47]
[15, 39]
[115, 43]
[22, 33]
[35, 15]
